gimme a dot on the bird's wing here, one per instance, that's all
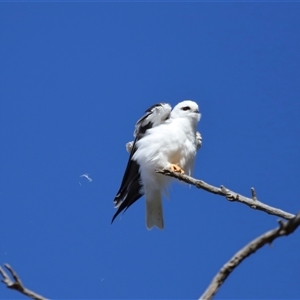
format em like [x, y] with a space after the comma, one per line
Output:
[131, 187]
[155, 115]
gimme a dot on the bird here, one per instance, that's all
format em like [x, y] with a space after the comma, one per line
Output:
[164, 138]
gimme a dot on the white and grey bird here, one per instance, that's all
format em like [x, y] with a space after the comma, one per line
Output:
[163, 139]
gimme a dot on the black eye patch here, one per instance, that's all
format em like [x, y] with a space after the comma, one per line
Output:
[185, 108]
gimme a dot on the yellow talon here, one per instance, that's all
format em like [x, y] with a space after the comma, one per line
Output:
[176, 168]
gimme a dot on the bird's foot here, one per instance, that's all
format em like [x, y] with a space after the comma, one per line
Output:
[176, 168]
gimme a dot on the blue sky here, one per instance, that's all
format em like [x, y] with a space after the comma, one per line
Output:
[75, 77]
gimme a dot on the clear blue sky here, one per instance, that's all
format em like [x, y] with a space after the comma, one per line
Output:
[75, 77]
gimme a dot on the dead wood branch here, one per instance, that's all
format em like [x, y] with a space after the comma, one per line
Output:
[267, 238]
[17, 284]
[229, 195]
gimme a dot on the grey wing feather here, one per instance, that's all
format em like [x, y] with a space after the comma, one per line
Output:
[155, 115]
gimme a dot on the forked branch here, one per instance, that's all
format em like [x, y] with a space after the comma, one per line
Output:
[17, 284]
[229, 195]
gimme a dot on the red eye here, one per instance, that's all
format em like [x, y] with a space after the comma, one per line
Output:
[186, 108]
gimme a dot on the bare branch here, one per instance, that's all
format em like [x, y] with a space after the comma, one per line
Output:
[267, 238]
[17, 284]
[230, 195]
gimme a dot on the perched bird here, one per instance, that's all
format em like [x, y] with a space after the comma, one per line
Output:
[163, 139]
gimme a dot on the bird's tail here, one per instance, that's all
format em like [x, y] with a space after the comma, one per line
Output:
[154, 210]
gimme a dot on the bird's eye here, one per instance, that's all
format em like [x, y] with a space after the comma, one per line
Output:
[185, 108]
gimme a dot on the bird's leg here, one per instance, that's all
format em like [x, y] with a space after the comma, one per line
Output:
[176, 168]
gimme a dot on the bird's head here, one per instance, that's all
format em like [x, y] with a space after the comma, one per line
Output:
[186, 109]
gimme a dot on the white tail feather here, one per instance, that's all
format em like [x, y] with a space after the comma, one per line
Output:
[154, 210]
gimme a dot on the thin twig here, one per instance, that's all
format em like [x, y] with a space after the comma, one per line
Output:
[253, 193]
[230, 195]
[17, 284]
[267, 238]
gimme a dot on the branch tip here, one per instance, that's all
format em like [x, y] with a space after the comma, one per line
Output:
[17, 284]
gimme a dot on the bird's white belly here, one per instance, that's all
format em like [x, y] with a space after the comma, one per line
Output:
[183, 153]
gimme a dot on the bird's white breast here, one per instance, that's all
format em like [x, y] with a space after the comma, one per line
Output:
[171, 143]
